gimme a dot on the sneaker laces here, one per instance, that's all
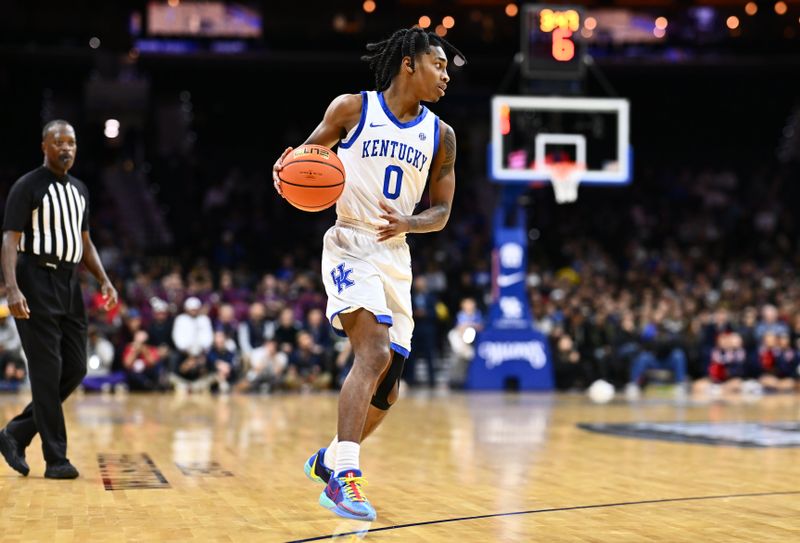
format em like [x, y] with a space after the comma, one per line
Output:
[352, 488]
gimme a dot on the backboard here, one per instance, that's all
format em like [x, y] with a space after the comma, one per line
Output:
[529, 133]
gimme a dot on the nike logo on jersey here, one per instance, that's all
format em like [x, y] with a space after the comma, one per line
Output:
[504, 281]
[375, 125]
[394, 149]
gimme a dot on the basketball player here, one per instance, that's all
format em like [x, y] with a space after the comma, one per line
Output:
[389, 144]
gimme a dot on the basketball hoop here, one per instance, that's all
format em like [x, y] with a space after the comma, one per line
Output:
[565, 178]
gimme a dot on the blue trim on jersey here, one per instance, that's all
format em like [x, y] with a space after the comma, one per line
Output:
[384, 319]
[339, 331]
[400, 350]
[435, 138]
[364, 101]
[409, 124]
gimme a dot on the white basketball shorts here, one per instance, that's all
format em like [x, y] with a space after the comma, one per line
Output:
[360, 272]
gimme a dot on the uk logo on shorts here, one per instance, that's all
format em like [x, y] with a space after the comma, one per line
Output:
[341, 277]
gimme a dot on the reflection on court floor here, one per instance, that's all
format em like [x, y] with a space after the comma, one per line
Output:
[444, 467]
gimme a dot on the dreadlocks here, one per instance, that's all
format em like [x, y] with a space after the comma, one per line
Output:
[385, 56]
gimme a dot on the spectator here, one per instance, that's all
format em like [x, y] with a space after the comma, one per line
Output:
[226, 323]
[99, 367]
[172, 288]
[131, 323]
[469, 322]
[191, 374]
[193, 336]
[770, 324]
[142, 364]
[307, 296]
[286, 331]
[423, 344]
[779, 363]
[192, 332]
[320, 329]
[567, 363]
[253, 331]
[727, 367]
[230, 293]
[222, 361]
[601, 336]
[266, 370]
[306, 368]
[160, 330]
[343, 362]
[627, 343]
[660, 350]
[12, 362]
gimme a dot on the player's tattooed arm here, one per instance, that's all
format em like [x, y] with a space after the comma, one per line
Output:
[442, 186]
[449, 152]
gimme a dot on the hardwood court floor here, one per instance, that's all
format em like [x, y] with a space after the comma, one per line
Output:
[517, 464]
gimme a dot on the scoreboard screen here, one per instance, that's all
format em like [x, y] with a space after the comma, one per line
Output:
[552, 47]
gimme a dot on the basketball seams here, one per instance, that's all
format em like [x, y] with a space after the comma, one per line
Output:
[310, 186]
[335, 167]
[312, 167]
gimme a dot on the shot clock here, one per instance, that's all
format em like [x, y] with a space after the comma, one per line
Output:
[552, 47]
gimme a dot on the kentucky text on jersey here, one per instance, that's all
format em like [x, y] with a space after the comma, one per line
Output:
[394, 149]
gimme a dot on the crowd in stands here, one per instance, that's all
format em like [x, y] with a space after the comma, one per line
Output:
[687, 277]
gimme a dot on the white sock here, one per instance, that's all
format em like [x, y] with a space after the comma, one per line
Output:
[329, 461]
[347, 456]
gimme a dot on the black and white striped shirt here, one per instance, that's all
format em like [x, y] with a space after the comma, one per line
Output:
[51, 213]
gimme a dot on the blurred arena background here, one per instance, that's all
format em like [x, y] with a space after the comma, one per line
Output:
[179, 125]
[182, 107]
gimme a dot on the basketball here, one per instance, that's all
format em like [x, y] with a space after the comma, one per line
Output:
[312, 178]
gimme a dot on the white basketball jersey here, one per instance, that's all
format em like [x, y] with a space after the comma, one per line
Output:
[385, 160]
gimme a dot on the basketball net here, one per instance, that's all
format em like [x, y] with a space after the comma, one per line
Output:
[565, 178]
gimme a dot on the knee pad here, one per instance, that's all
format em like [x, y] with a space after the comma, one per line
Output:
[390, 380]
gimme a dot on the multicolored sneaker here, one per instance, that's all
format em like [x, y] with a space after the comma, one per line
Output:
[315, 467]
[344, 496]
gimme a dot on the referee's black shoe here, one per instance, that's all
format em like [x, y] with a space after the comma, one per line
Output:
[62, 470]
[12, 453]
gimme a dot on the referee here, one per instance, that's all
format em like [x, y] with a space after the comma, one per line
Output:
[45, 236]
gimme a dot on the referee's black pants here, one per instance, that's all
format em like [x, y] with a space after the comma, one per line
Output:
[54, 341]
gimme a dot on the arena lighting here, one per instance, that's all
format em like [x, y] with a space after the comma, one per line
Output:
[424, 21]
[339, 22]
[448, 22]
[441, 31]
[111, 129]
[94, 43]
[751, 8]
[590, 23]
[659, 32]
[369, 6]
[780, 8]
[512, 10]
[586, 33]
[732, 22]
[661, 23]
